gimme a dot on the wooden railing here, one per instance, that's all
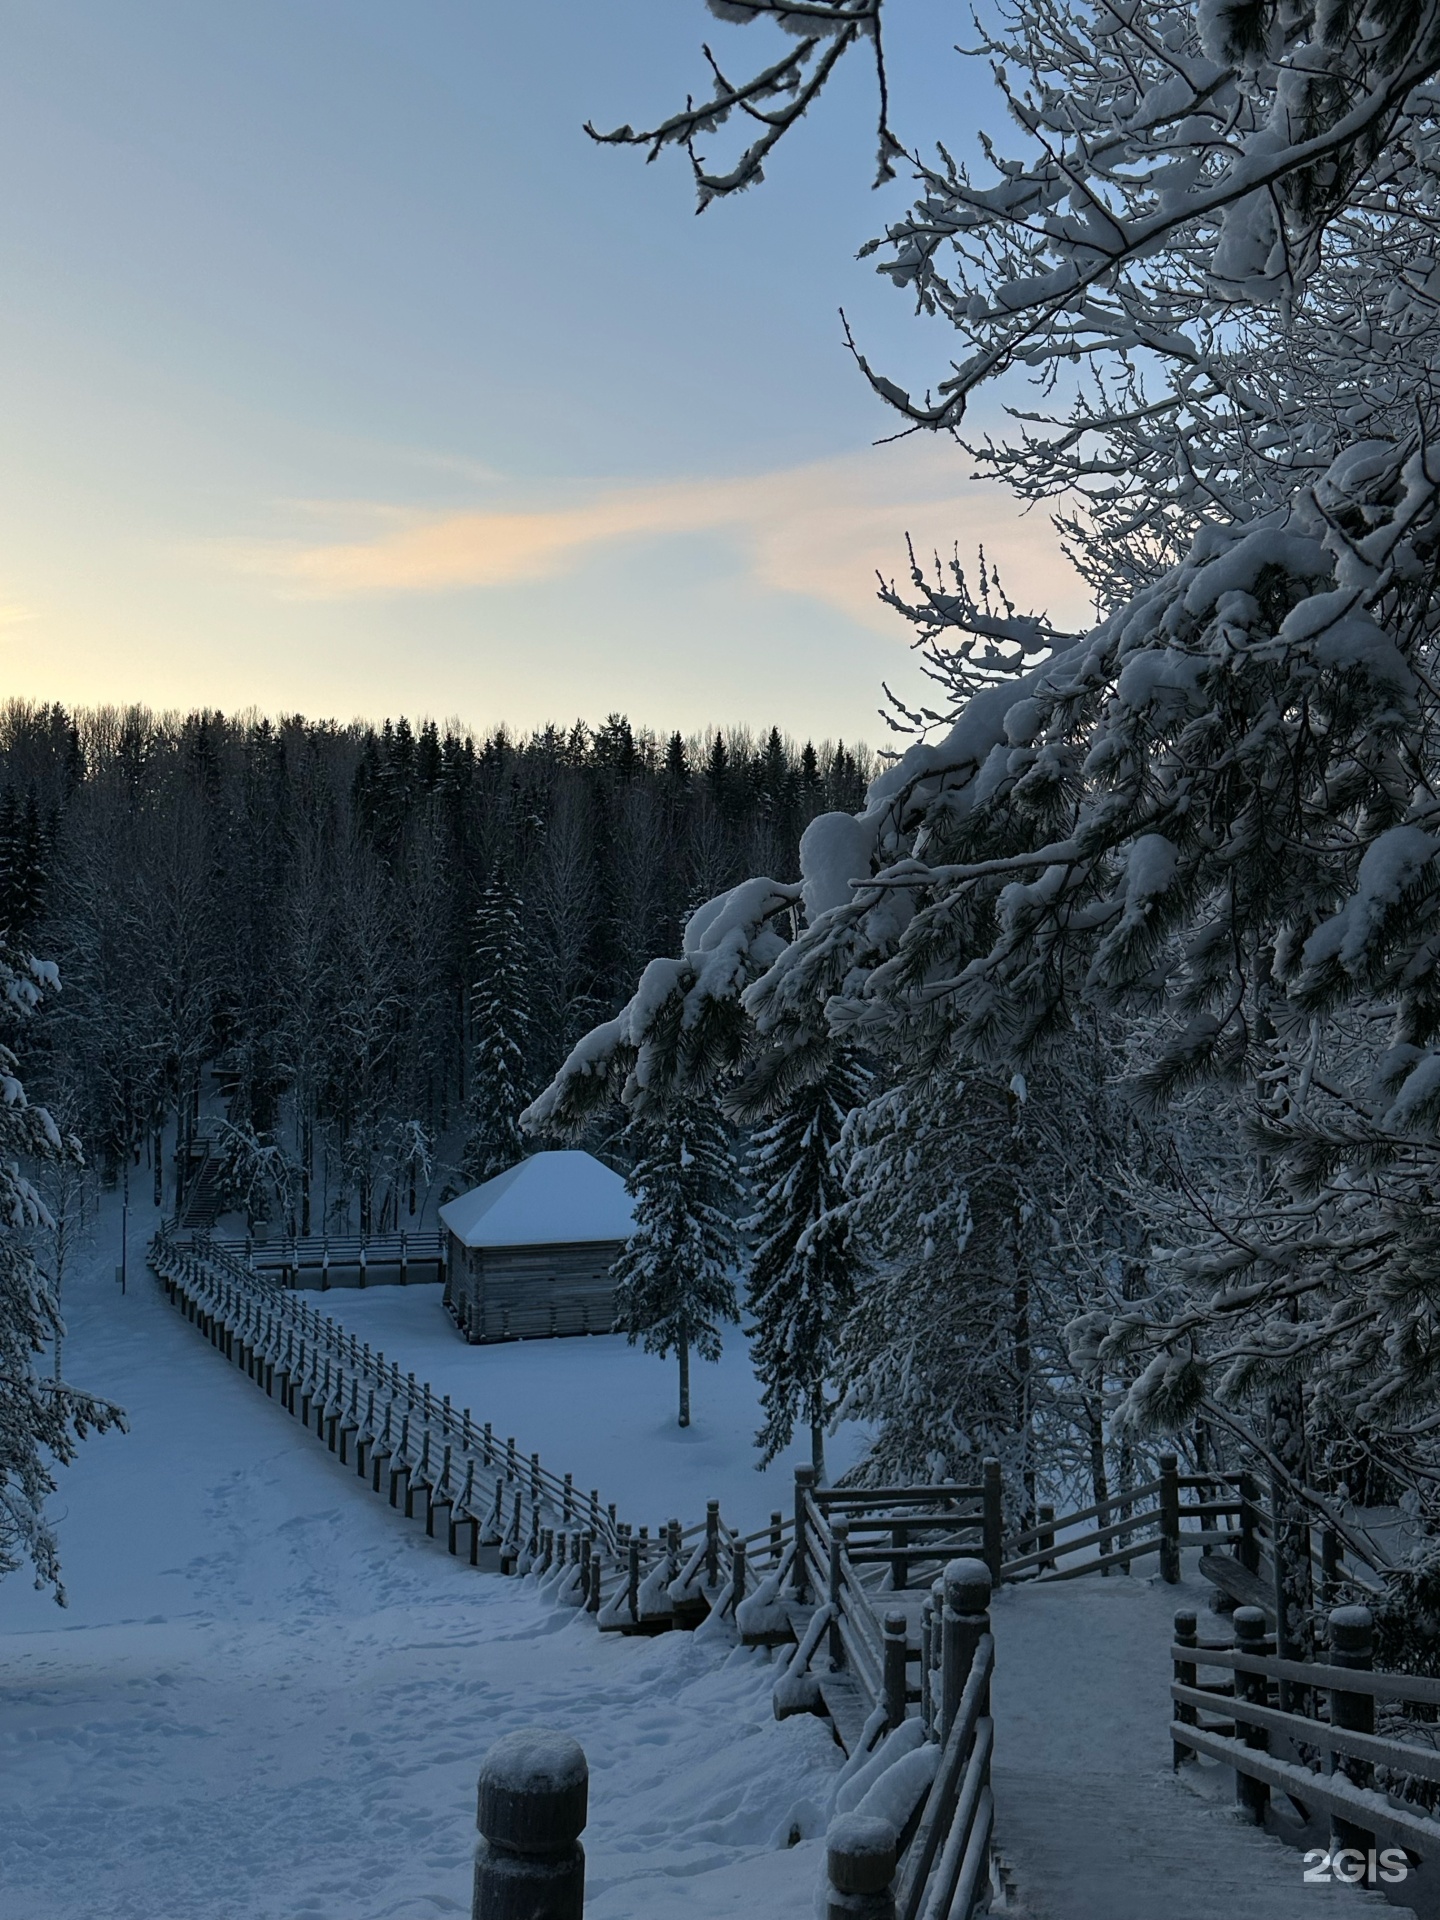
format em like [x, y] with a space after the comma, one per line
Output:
[1306, 1730]
[408, 1440]
[415, 1256]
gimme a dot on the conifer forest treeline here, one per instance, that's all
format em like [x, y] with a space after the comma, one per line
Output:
[300, 911]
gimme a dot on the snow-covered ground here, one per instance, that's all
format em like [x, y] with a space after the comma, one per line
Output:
[598, 1408]
[270, 1694]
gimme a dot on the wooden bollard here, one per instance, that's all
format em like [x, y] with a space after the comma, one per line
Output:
[1185, 1636]
[860, 1867]
[1352, 1645]
[1251, 1796]
[896, 1677]
[993, 1519]
[1169, 1520]
[965, 1620]
[531, 1810]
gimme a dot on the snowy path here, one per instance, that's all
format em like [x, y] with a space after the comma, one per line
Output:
[1088, 1811]
[270, 1695]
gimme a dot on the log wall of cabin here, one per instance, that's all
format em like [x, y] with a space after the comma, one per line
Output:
[528, 1293]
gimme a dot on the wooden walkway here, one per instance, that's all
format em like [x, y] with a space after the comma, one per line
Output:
[1090, 1818]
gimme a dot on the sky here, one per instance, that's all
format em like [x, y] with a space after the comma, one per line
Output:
[343, 374]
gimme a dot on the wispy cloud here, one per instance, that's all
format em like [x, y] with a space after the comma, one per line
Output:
[822, 530]
[16, 616]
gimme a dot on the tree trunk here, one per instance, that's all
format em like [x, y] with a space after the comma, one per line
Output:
[684, 1351]
[307, 1157]
[817, 1451]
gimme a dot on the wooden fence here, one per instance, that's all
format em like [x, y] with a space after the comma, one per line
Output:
[1304, 1732]
[322, 1260]
[808, 1581]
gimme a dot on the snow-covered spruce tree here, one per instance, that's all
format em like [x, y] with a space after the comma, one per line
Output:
[1214, 813]
[41, 1419]
[804, 1253]
[675, 1278]
[499, 1027]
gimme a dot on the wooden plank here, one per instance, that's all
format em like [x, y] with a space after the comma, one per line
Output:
[1116, 1503]
[1397, 1755]
[847, 1707]
[1223, 1570]
[1361, 1806]
[1121, 1557]
[1059, 1548]
[1384, 1686]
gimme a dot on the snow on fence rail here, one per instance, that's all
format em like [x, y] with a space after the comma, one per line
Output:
[413, 1256]
[399, 1433]
[1305, 1731]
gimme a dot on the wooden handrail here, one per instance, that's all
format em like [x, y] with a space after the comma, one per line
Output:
[1360, 1805]
[1129, 1498]
[1399, 1755]
[920, 1857]
[1383, 1686]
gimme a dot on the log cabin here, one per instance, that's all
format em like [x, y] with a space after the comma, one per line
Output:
[530, 1252]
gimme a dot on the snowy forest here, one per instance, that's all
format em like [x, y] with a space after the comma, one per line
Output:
[1135, 940]
[338, 922]
[1083, 1057]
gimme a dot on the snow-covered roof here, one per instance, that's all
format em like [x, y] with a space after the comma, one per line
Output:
[549, 1199]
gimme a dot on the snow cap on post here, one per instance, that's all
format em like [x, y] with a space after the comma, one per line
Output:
[860, 1864]
[967, 1586]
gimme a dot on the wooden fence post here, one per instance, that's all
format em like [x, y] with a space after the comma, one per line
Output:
[1352, 1644]
[1248, 1488]
[777, 1523]
[1169, 1520]
[737, 1571]
[1251, 1796]
[966, 1618]
[1046, 1542]
[994, 1520]
[712, 1544]
[896, 1669]
[531, 1809]
[860, 1867]
[799, 1579]
[839, 1536]
[927, 1664]
[1185, 1636]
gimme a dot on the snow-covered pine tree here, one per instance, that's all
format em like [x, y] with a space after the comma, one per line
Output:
[499, 1026]
[41, 1419]
[1214, 815]
[675, 1285]
[804, 1253]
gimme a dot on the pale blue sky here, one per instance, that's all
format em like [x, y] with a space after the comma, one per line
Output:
[341, 372]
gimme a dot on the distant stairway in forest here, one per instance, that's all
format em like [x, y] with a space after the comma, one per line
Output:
[204, 1186]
